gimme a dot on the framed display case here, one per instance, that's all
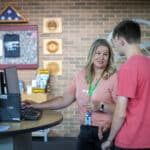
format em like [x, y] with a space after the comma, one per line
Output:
[19, 46]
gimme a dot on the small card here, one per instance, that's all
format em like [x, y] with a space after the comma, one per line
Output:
[4, 128]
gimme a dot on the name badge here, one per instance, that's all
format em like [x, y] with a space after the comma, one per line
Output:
[85, 91]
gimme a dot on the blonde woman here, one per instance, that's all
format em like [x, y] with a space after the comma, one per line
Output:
[94, 89]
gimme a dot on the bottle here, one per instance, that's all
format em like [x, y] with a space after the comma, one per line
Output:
[21, 86]
[88, 118]
[38, 81]
[42, 84]
[29, 89]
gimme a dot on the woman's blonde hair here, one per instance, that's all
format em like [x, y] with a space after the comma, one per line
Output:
[109, 69]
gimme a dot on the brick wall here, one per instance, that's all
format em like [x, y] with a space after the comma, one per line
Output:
[83, 22]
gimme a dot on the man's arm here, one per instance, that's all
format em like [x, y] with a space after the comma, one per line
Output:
[118, 120]
[118, 117]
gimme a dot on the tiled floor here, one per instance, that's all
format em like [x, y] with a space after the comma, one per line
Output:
[57, 143]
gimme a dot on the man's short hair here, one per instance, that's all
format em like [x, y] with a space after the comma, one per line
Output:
[129, 30]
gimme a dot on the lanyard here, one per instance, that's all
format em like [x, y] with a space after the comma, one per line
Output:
[93, 87]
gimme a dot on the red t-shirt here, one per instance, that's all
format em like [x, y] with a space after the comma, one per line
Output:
[134, 83]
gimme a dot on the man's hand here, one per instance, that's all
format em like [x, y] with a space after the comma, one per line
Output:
[106, 145]
[100, 133]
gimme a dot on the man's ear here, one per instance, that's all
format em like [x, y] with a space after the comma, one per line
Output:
[122, 41]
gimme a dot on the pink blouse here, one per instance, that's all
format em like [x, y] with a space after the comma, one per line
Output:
[105, 92]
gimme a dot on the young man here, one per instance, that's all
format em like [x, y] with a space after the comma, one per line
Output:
[131, 122]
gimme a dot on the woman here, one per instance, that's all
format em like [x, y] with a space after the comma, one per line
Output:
[94, 89]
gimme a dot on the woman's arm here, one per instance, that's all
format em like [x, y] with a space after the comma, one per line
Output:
[55, 103]
[107, 107]
[104, 107]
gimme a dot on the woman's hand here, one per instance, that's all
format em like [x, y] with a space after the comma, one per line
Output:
[29, 103]
[92, 106]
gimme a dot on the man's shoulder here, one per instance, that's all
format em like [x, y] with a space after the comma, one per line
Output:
[134, 61]
[138, 59]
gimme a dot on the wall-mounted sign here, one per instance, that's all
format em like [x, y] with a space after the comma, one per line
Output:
[52, 46]
[54, 66]
[52, 25]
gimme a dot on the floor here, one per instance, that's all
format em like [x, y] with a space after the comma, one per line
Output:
[54, 143]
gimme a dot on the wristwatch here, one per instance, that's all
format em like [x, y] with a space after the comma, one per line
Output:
[102, 107]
